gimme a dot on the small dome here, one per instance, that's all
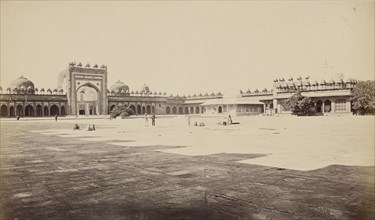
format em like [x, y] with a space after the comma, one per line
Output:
[119, 86]
[145, 88]
[22, 83]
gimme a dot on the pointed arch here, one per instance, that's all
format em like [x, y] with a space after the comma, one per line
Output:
[54, 110]
[12, 112]
[4, 111]
[46, 111]
[29, 111]
[39, 110]
[220, 109]
[139, 109]
[19, 110]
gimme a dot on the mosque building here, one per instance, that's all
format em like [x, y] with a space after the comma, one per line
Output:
[83, 90]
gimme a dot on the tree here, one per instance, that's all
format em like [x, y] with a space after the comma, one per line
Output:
[363, 101]
[122, 111]
[299, 105]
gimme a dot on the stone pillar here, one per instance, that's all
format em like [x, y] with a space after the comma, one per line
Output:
[35, 112]
[275, 105]
[87, 109]
[348, 105]
[333, 107]
[264, 108]
[24, 109]
[323, 107]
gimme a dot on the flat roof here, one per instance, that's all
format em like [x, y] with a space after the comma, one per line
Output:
[233, 101]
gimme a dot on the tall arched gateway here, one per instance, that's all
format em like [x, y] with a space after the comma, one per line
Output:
[88, 101]
[86, 90]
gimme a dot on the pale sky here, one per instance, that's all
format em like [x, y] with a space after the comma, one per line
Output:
[188, 47]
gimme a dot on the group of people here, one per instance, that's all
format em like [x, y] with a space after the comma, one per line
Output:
[88, 128]
[200, 124]
[153, 117]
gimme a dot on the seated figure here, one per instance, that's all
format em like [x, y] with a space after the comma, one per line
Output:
[76, 127]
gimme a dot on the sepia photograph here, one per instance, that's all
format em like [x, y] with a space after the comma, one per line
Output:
[193, 110]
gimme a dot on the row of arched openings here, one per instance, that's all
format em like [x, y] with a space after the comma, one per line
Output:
[186, 110]
[30, 111]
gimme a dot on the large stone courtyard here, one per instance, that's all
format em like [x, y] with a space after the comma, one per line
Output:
[264, 168]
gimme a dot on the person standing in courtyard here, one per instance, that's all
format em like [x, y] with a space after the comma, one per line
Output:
[153, 119]
[188, 119]
[146, 120]
[56, 117]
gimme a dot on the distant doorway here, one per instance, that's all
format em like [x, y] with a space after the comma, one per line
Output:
[319, 104]
[327, 106]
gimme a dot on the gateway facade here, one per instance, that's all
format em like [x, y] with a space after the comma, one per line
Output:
[83, 90]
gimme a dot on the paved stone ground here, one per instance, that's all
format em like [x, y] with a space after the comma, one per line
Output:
[51, 177]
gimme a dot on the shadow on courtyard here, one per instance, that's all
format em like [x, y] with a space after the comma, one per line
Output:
[50, 177]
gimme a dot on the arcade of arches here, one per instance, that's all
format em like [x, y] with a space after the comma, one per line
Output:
[185, 110]
[331, 106]
[31, 110]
